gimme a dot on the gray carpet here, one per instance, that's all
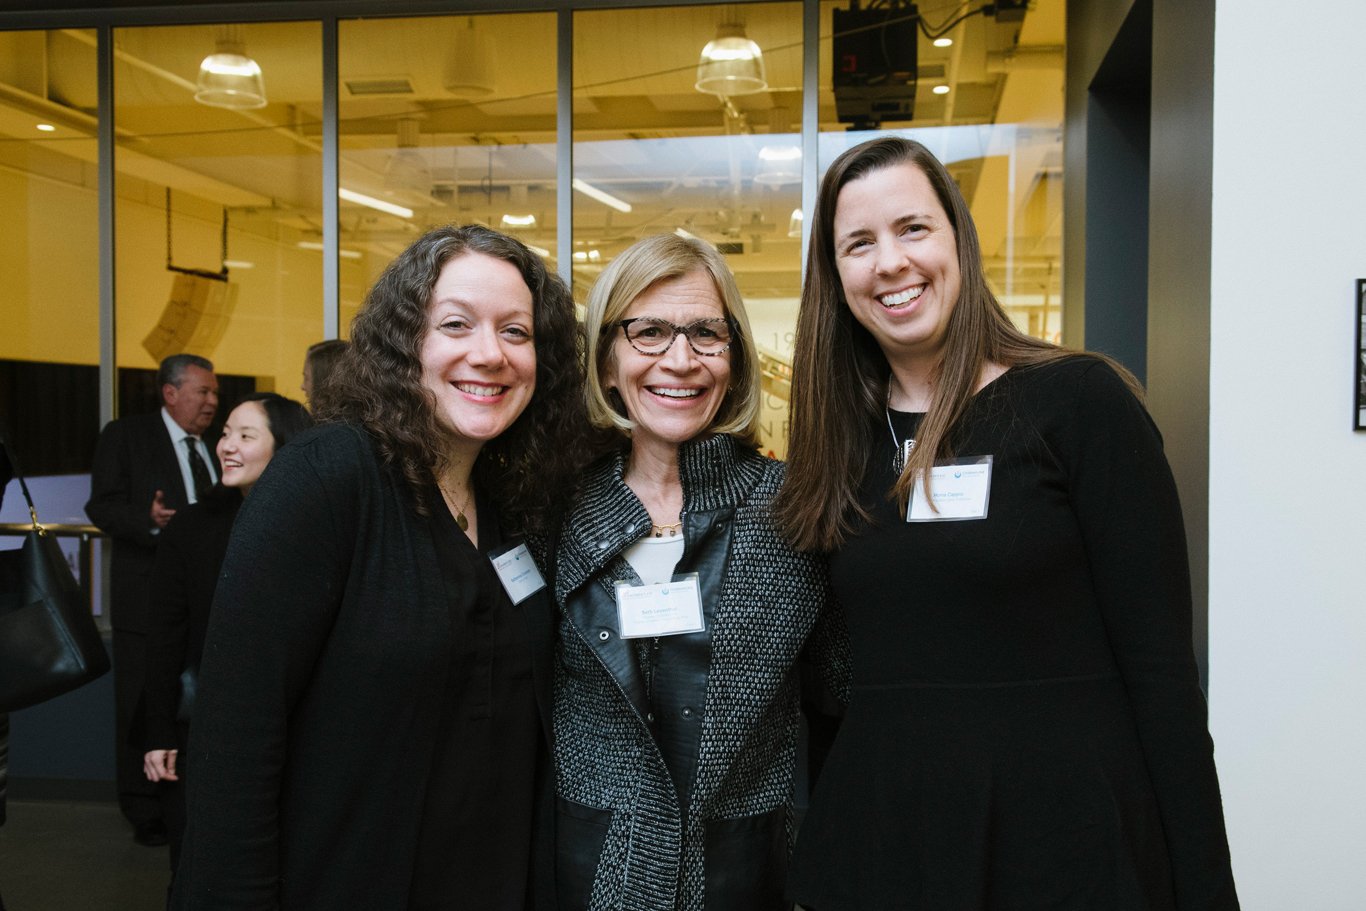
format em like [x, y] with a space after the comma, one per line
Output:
[70, 856]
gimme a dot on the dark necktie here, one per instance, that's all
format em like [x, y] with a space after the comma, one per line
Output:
[203, 481]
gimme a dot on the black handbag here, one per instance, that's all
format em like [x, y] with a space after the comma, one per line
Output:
[49, 644]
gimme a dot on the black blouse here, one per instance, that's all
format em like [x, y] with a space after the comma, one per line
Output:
[473, 847]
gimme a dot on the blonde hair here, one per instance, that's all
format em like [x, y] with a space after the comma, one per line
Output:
[646, 262]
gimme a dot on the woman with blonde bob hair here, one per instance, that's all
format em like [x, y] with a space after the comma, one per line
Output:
[682, 611]
[1026, 729]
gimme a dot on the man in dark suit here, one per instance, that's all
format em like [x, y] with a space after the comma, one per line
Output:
[146, 467]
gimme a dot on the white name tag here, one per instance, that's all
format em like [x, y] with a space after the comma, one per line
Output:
[518, 573]
[666, 609]
[961, 489]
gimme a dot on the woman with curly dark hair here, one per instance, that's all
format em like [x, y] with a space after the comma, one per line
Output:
[372, 720]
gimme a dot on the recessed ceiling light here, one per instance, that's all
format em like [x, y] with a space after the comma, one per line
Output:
[314, 245]
[941, 90]
[943, 42]
[47, 128]
[602, 196]
[380, 205]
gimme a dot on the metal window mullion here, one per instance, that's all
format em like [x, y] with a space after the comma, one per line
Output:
[564, 145]
[104, 169]
[811, 61]
[331, 182]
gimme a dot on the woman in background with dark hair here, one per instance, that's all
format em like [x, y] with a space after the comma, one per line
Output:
[320, 362]
[1026, 729]
[372, 723]
[189, 558]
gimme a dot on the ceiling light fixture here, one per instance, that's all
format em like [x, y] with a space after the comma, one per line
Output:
[779, 164]
[731, 64]
[361, 199]
[794, 224]
[943, 42]
[47, 128]
[602, 196]
[314, 245]
[228, 78]
[469, 68]
[514, 222]
[238, 264]
[940, 90]
[407, 171]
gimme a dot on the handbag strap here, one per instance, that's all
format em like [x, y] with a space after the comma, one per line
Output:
[23, 485]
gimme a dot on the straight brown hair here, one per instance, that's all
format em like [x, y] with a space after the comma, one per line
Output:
[840, 375]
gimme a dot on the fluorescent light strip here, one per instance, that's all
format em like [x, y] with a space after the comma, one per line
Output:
[607, 199]
[238, 264]
[542, 252]
[361, 199]
[314, 245]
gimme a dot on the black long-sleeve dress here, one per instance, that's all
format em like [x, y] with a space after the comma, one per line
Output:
[1027, 729]
[189, 559]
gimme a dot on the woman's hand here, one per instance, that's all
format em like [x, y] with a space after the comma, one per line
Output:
[159, 765]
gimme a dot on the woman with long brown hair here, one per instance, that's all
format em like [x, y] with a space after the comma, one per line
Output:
[372, 724]
[1026, 728]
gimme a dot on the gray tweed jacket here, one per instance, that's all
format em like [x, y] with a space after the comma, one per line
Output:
[662, 805]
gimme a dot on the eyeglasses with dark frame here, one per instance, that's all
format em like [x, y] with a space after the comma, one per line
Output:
[653, 336]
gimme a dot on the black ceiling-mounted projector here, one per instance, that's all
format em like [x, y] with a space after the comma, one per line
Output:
[875, 62]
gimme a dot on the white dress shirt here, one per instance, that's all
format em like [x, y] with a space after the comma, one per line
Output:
[182, 454]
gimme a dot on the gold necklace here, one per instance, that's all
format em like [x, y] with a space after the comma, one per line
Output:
[460, 518]
[659, 530]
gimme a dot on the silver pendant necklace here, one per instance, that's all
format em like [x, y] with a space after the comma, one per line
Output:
[901, 449]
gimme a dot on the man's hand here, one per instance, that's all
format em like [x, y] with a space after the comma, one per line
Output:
[159, 765]
[161, 513]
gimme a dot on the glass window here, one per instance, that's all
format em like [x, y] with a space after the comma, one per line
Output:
[218, 167]
[443, 120]
[688, 119]
[987, 99]
[49, 248]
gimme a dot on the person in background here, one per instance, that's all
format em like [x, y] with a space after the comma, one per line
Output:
[1026, 729]
[320, 361]
[682, 611]
[147, 467]
[188, 561]
[371, 728]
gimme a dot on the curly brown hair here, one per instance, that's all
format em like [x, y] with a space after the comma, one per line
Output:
[529, 468]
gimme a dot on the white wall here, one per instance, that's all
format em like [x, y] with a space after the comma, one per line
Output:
[1287, 474]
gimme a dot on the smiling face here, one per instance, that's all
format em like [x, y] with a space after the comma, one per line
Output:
[246, 446]
[478, 357]
[674, 396]
[897, 259]
[194, 402]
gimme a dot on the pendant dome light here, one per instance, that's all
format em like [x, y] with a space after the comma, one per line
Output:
[229, 78]
[407, 173]
[731, 64]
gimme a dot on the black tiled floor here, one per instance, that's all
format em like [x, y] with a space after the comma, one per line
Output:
[70, 856]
